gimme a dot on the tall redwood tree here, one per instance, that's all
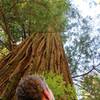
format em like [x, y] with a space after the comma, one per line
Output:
[40, 51]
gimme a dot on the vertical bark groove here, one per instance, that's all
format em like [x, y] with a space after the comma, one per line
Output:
[36, 54]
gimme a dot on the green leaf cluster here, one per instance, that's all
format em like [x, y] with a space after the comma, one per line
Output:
[59, 87]
[24, 17]
[44, 14]
[91, 90]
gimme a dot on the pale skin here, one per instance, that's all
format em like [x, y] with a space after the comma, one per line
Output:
[48, 95]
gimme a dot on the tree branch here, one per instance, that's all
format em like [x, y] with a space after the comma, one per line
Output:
[83, 74]
[2, 43]
[97, 70]
[6, 27]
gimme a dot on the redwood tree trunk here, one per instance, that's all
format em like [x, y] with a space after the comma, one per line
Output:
[38, 53]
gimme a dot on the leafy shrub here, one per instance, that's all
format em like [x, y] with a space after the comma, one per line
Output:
[57, 85]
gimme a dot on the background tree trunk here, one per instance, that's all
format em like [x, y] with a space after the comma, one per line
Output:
[38, 53]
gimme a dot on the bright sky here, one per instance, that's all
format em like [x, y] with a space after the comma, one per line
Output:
[89, 8]
[97, 1]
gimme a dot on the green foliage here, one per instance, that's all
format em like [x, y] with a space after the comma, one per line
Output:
[70, 91]
[3, 44]
[58, 86]
[3, 52]
[26, 16]
[56, 83]
[3, 38]
[91, 87]
[44, 14]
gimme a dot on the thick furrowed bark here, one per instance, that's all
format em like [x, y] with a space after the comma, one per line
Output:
[10, 66]
[38, 53]
[6, 71]
[16, 76]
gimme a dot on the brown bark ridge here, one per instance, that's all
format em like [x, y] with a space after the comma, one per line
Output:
[38, 53]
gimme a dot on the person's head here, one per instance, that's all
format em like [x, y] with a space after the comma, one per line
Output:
[33, 88]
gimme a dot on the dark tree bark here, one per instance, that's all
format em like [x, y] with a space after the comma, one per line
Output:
[38, 53]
